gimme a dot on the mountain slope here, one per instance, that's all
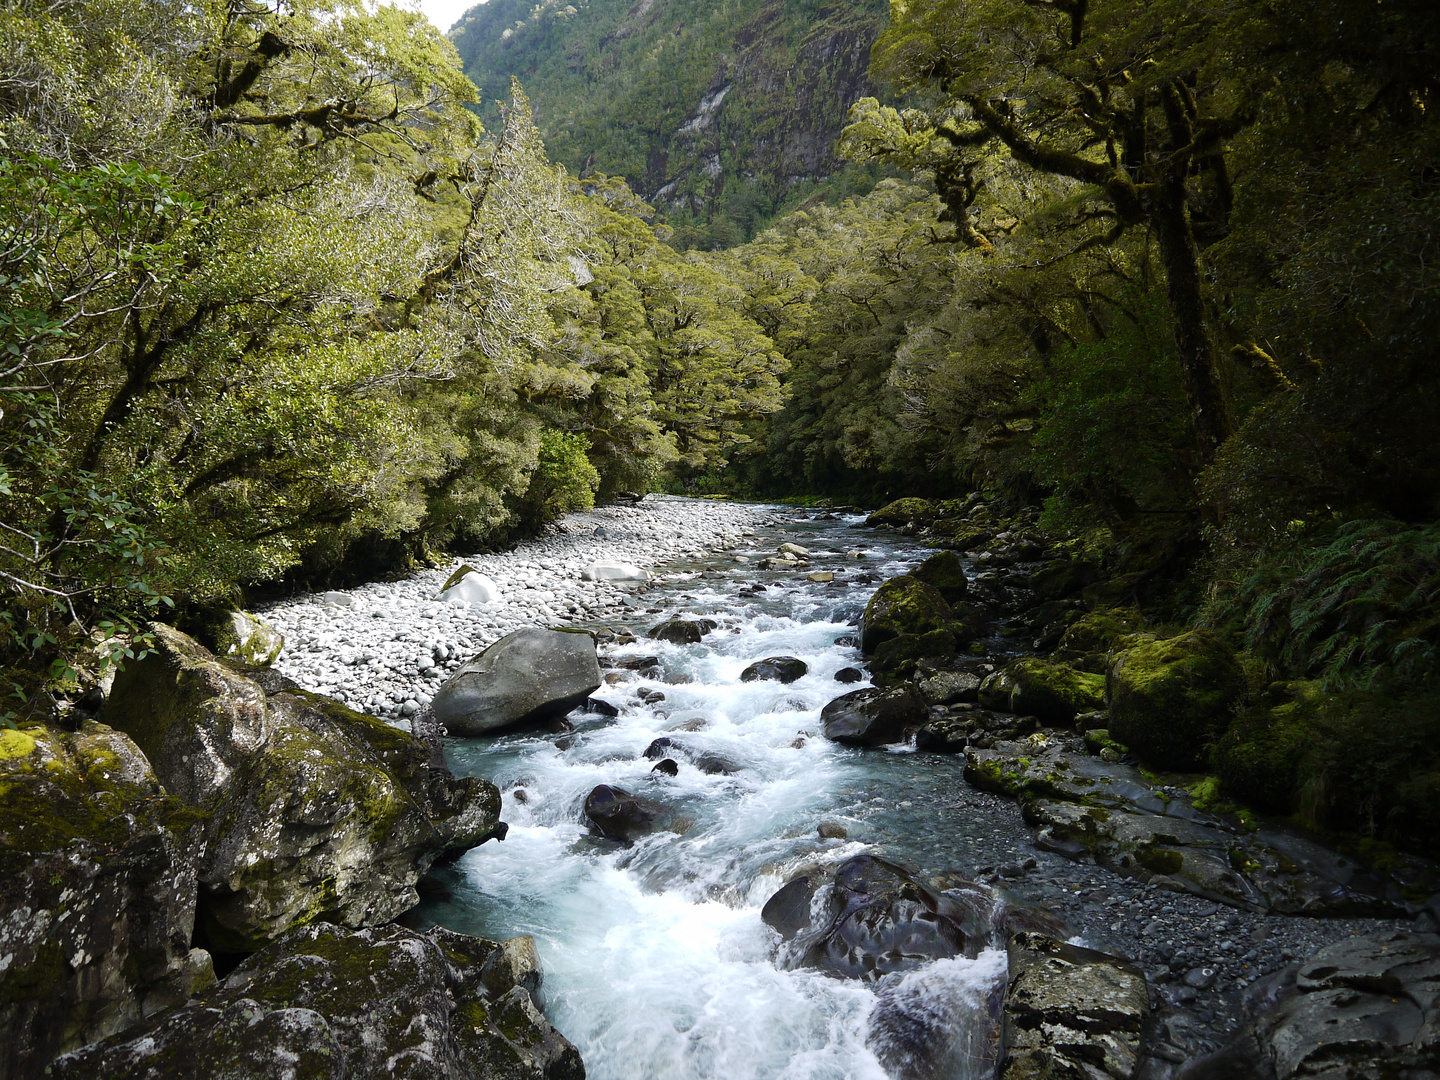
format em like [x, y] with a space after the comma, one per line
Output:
[720, 114]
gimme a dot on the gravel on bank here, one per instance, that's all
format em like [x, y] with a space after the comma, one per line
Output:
[386, 647]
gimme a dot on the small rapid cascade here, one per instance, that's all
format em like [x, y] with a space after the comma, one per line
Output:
[657, 962]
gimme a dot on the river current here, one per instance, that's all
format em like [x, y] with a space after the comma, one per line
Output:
[656, 961]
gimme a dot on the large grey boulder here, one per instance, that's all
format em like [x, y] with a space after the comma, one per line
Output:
[1071, 1012]
[528, 675]
[312, 810]
[1367, 1008]
[873, 717]
[97, 893]
[335, 1005]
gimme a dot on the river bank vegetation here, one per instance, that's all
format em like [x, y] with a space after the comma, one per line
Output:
[276, 303]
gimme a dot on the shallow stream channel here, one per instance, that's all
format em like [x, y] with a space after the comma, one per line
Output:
[657, 962]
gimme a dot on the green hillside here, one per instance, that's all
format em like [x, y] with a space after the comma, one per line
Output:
[719, 114]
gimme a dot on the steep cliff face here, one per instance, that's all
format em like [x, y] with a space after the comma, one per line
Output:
[720, 114]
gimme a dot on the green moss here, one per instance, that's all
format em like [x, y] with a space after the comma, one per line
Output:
[1053, 693]
[898, 657]
[1170, 700]
[15, 744]
[1160, 860]
[902, 512]
[946, 572]
[460, 572]
[903, 605]
[1087, 640]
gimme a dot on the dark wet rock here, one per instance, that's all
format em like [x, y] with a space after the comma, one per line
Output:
[1119, 819]
[97, 892]
[788, 910]
[638, 663]
[918, 1033]
[874, 717]
[949, 687]
[681, 631]
[1061, 578]
[946, 573]
[649, 695]
[327, 1003]
[1170, 700]
[1051, 692]
[877, 919]
[783, 669]
[1071, 1012]
[663, 747]
[713, 764]
[849, 675]
[667, 767]
[903, 605]
[621, 816]
[849, 641]
[527, 675]
[971, 727]
[600, 707]
[947, 735]
[832, 830]
[1365, 1008]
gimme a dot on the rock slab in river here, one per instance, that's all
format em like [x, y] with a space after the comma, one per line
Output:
[620, 815]
[528, 675]
[1071, 1012]
[330, 1004]
[783, 669]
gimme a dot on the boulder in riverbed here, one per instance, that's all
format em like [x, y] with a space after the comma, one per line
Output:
[874, 717]
[1054, 693]
[527, 675]
[875, 919]
[613, 571]
[331, 1004]
[902, 512]
[903, 605]
[682, 631]
[619, 815]
[783, 669]
[946, 572]
[467, 586]
[242, 640]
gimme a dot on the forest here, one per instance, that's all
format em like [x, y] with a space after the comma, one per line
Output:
[284, 303]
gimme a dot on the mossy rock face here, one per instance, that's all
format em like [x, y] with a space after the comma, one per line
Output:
[1053, 693]
[243, 641]
[903, 605]
[945, 571]
[1171, 700]
[97, 892]
[1258, 759]
[1112, 593]
[1086, 641]
[1061, 578]
[897, 658]
[324, 1002]
[902, 512]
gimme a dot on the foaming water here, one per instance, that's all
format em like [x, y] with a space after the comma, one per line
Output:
[657, 963]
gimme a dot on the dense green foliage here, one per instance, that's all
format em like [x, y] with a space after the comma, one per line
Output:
[720, 114]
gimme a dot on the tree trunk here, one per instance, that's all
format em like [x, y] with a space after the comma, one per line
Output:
[1200, 373]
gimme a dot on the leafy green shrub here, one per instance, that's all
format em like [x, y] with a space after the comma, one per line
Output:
[563, 480]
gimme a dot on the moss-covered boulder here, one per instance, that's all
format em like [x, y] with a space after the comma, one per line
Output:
[327, 1003]
[1258, 760]
[97, 892]
[1052, 693]
[1087, 641]
[1171, 700]
[314, 811]
[902, 512]
[897, 658]
[946, 572]
[242, 640]
[1061, 578]
[903, 605]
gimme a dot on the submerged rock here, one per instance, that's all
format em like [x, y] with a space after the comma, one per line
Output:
[97, 892]
[527, 675]
[1071, 1011]
[784, 669]
[874, 717]
[327, 1003]
[622, 816]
